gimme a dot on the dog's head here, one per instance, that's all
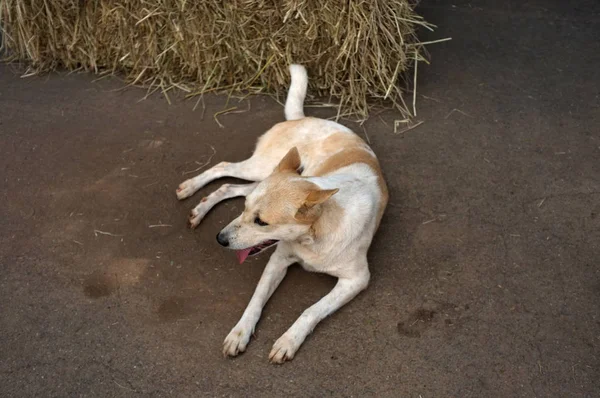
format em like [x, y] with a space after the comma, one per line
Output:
[283, 207]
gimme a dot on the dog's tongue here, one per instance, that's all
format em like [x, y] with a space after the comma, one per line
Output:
[242, 255]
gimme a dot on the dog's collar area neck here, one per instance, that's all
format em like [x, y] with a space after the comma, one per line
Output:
[308, 238]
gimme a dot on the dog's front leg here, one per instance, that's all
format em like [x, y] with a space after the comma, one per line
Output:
[345, 290]
[237, 340]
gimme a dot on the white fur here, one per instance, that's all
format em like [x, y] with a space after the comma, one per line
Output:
[294, 105]
[342, 252]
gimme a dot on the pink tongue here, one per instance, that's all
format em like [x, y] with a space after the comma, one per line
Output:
[242, 255]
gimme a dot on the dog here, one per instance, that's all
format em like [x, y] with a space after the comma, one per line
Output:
[318, 196]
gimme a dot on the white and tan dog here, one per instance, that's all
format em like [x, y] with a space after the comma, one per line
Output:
[319, 196]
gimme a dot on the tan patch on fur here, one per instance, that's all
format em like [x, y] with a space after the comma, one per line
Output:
[271, 143]
[334, 142]
[355, 152]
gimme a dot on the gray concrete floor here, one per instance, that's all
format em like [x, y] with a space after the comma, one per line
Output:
[485, 275]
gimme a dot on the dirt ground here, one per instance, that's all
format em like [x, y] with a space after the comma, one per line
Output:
[485, 275]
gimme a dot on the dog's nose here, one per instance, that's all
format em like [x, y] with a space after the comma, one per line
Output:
[222, 241]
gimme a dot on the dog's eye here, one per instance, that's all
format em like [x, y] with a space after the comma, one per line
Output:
[260, 222]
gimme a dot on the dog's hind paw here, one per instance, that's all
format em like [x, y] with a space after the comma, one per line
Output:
[283, 350]
[236, 341]
[186, 189]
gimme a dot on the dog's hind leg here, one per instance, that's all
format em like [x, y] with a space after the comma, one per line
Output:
[226, 191]
[251, 170]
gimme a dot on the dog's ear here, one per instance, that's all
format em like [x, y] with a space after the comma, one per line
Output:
[319, 196]
[308, 213]
[290, 162]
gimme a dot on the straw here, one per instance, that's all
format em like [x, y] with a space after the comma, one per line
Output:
[358, 53]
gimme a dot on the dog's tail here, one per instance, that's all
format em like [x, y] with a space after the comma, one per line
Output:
[294, 105]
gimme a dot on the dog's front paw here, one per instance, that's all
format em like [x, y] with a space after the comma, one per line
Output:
[186, 189]
[236, 341]
[284, 349]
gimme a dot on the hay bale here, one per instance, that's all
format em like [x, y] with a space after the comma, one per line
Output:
[355, 51]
